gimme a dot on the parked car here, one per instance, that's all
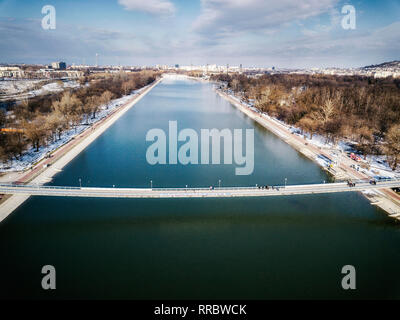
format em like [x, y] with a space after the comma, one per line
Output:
[355, 157]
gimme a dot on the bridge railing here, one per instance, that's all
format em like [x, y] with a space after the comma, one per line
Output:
[23, 186]
[192, 189]
[205, 189]
[359, 181]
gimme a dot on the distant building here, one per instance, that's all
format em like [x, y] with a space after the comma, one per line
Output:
[59, 65]
[57, 74]
[11, 72]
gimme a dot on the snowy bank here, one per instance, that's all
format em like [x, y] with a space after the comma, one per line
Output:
[31, 157]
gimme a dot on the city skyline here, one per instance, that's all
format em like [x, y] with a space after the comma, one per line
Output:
[284, 34]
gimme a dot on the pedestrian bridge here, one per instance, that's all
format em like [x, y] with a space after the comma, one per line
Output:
[360, 185]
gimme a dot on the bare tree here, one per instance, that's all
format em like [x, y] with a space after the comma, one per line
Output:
[392, 146]
[326, 112]
[126, 87]
[105, 98]
[93, 105]
[14, 146]
[70, 107]
[3, 118]
[309, 125]
[22, 110]
[56, 125]
[235, 85]
[36, 131]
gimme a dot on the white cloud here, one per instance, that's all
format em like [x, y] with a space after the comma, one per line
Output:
[343, 49]
[23, 40]
[157, 7]
[224, 17]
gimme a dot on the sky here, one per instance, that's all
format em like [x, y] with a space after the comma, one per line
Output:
[260, 33]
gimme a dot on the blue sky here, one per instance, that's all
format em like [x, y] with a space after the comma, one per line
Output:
[281, 33]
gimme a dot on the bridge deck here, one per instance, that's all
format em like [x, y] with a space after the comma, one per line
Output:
[193, 192]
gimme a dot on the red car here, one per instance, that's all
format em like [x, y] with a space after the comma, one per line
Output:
[355, 157]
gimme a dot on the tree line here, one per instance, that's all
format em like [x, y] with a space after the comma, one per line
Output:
[42, 120]
[360, 109]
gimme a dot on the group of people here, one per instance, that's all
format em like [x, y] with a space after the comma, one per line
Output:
[267, 188]
[351, 184]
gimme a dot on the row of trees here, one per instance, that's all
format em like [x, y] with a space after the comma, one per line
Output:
[42, 120]
[360, 109]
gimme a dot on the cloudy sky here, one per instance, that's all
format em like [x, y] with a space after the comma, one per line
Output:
[280, 33]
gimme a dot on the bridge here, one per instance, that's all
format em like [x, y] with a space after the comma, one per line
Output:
[359, 185]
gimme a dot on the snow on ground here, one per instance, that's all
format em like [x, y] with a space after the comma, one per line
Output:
[370, 192]
[14, 87]
[25, 87]
[55, 87]
[31, 157]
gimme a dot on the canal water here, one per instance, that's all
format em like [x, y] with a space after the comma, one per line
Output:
[247, 248]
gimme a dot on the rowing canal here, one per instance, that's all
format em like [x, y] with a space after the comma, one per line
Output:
[235, 248]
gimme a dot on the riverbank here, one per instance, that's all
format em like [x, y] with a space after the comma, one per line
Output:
[46, 169]
[385, 199]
